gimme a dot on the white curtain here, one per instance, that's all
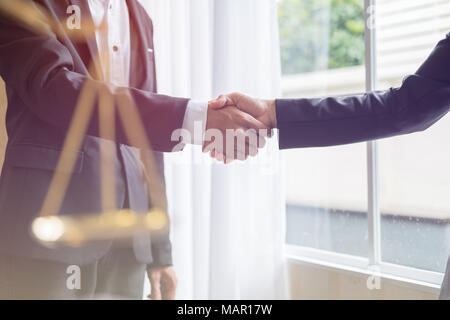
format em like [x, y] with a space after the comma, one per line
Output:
[227, 221]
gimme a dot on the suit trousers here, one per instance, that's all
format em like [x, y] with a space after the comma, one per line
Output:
[117, 275]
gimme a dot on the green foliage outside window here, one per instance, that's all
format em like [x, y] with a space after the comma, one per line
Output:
[321, 34]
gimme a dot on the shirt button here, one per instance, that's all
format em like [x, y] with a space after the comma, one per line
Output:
[115, 48]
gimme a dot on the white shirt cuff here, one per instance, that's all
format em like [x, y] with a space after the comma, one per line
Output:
[195, 121]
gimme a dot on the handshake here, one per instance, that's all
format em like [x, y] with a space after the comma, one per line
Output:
[237, 126]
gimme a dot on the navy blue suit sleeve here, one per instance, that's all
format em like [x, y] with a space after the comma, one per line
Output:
[422, 100]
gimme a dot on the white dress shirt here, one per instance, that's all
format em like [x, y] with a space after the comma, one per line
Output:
[116, 38]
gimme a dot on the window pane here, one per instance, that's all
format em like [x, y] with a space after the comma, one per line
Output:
[322, 49]
[414, 174]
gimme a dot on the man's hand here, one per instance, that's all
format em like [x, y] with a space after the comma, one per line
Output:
[262, 110]
[163, 283]
[232, 134]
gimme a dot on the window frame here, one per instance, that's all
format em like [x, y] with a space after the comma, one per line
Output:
[373, 265]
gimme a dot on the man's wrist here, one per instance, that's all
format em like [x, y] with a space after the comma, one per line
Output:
[272, 106]
[195, 121]
[152, 267]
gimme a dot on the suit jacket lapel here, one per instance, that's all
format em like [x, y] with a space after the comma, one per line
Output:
[139, 46]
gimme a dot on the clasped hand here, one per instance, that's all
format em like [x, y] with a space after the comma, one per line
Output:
[237, 126]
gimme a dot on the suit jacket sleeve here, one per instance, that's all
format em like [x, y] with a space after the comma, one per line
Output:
[40, 69]
[161, 244]
[161, 251]
[423, 99]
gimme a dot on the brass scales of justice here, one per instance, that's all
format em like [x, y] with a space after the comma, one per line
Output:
[52, 229]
